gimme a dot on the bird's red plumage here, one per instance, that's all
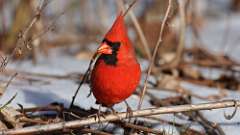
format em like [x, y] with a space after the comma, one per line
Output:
[112, 84]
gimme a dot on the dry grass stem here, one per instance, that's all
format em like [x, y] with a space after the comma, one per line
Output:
[180, 48]
[155, 53]
[140, 33]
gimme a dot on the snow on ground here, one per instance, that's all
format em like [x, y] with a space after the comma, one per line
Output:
[60, 90]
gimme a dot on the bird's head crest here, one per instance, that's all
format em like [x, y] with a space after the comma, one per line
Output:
[118, 32]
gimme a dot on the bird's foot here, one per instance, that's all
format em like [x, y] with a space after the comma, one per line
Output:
[98, 116]
[128, 111]
[114, 112]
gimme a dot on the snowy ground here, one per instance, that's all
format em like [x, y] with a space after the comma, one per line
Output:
[40, 93]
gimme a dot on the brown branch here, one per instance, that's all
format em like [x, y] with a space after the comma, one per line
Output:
[210, 127]
[155, 53]
[113, 117]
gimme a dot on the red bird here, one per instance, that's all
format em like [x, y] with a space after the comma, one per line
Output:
[116, 73]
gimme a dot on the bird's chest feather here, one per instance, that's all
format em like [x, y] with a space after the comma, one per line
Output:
[114, 80]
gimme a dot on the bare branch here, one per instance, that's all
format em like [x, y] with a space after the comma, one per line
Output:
[85, 77]
[130, 6]
[178, 56]
[10, 80]
[8, 102]
[113, 117]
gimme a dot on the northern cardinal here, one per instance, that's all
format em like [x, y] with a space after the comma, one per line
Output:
[116, 73]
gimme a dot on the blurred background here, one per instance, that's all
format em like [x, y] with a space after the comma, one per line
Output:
[83, 23]
[49, 44]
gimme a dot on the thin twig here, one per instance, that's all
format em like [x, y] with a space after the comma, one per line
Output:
[113, 117]
[8, 83]
[229, 117]
[210, 127]
[178, 56]
[84, 79]
[155, 53]
[180, 48]
[8, 102]
[142, 37]
[130, 6]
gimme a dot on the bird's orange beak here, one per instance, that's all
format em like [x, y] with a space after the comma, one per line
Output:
[104, 49]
